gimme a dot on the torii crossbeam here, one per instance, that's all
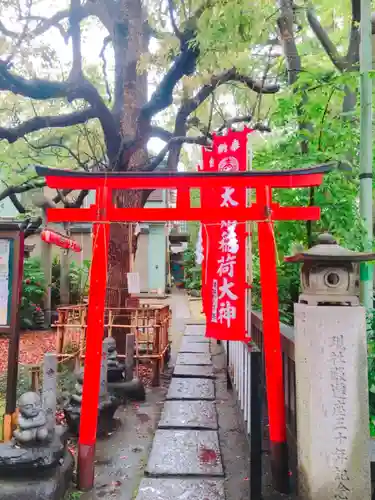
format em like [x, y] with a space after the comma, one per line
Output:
[104, 211]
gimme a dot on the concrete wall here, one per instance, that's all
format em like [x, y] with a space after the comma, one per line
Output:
[157, 257]
[141, 261]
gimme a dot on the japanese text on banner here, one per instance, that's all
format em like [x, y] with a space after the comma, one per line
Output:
[225, 244]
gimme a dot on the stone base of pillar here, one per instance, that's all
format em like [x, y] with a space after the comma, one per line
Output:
[332, 402]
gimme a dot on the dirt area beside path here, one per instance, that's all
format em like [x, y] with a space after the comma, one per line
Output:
[121, 458]
[33, 346]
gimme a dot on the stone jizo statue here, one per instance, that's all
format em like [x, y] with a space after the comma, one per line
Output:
[77, 396]
[112, 353]
[115, 369]
[31, 420]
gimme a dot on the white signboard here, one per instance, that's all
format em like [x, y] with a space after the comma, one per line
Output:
[4, 281]
[134, 283]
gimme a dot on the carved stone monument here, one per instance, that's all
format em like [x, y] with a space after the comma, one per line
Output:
[331, 376]
[49, 389]
[108, 403]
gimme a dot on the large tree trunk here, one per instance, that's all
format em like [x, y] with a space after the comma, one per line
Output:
[131, 40]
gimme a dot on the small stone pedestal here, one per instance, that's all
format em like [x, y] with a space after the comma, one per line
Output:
[37, 486]
[332, 402]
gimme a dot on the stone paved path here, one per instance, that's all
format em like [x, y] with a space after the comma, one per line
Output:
[185, 461]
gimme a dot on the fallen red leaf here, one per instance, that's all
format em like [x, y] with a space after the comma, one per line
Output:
[33, 346]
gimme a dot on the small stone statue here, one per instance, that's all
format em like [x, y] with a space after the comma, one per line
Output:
[77, 396]
[115, 369]
[107, 405]
[31, 421]
[120, 380]
[112, 353]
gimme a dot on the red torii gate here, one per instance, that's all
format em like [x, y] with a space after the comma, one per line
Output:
[104, 212]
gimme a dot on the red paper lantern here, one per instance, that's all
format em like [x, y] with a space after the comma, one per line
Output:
[59, 240]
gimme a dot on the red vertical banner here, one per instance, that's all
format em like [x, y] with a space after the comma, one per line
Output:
[225, 247]
[207, 197]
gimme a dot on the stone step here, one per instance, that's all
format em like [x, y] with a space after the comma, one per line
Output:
[195, 347]
[191, 388]
[194, 371]
[195, 329]
[201, 339]
[181, 489]
[189, 415]
[185, 453]
[193, 359]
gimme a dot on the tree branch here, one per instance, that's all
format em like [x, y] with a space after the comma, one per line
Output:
[31, 226]
[163, 95]
[184, 64]
[34, 183]
[75, 32]
[43, 122]
[60, 146]
[194, 122]
[176, 31]
[174, 140]
[231, 121]
[161, 133]
[352, 55]
[190, 105]
[339, 62]
[17, 204]
[44, 25]
[90, 8]
[77, 203]
[44, 89]
[106, 41]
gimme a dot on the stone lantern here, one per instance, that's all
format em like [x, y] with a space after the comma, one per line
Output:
[329, 273]
[331, 376]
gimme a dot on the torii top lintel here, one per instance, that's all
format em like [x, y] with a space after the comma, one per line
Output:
[105, 211]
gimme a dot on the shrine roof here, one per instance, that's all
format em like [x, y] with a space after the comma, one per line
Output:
[317, 169]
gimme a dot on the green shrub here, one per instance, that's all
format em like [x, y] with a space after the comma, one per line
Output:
[33, 291]
[78, 282]
[193, 273]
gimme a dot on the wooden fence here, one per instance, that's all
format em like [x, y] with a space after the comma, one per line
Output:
[148, 322]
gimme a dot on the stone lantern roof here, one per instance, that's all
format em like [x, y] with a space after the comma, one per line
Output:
[327, 249]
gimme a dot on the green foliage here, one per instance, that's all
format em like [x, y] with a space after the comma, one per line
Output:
[34, 287]
[33, 290]
[331, 138]
[78, 282]
[332, 135]
[193, 273]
